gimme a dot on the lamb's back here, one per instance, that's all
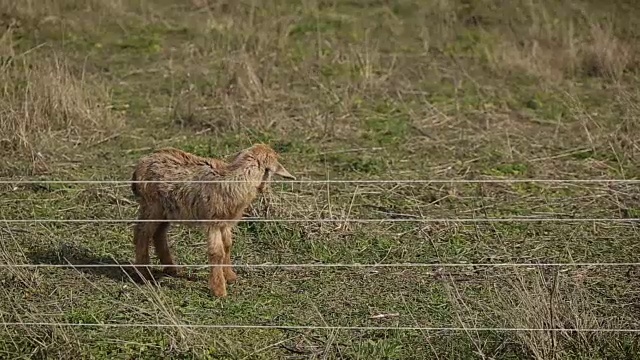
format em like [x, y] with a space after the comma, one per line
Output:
[187, 199]
[171, 164]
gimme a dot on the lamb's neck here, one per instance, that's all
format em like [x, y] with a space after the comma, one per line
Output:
[247, 172]
[236, 184]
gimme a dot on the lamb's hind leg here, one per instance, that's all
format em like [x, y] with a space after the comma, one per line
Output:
[229, 274]
[162, 249]
[142, 233]
[217, 282]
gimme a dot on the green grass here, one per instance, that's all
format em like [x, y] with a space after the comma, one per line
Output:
[343, 90]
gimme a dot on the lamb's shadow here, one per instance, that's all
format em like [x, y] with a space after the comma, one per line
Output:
[76, 256]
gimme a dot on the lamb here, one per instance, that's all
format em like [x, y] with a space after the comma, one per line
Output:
[235, 185]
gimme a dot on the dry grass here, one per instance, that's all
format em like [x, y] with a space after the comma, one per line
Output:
[605, 55]
[563, 301]
[557, 51]
[536, 300]
[45, 104]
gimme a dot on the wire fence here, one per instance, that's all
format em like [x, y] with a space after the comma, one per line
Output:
[333, 265]
[323, 327]
[337, 265]
[330, 220]
[336, 181]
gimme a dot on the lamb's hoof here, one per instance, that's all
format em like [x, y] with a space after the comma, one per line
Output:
[217, 283]
[173, 271]
[230, 276]
[142, 273]
[219, 292]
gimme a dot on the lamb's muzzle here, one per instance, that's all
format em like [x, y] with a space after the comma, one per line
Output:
[284, 173]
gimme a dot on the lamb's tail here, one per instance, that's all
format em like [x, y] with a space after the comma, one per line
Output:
[135, 187]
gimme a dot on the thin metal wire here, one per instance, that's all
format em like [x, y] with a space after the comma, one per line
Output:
[328, 181]
[314, 327]
[329, 265]
[401, 220]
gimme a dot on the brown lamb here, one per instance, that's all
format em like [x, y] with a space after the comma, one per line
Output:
[249, 172]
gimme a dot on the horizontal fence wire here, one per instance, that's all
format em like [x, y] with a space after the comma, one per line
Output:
[329, 265]
[335, 181]
[328, 220]
[320, 327]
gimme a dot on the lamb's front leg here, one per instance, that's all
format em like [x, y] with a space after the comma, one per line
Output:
[217, 283]
[229, 274]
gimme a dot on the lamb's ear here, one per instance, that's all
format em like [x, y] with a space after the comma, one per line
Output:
[231, 157]
[281, 171]
[266, 177]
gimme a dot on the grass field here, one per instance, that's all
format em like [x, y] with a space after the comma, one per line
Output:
[407, 89]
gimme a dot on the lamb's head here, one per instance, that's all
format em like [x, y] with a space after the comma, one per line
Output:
[261, 162]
